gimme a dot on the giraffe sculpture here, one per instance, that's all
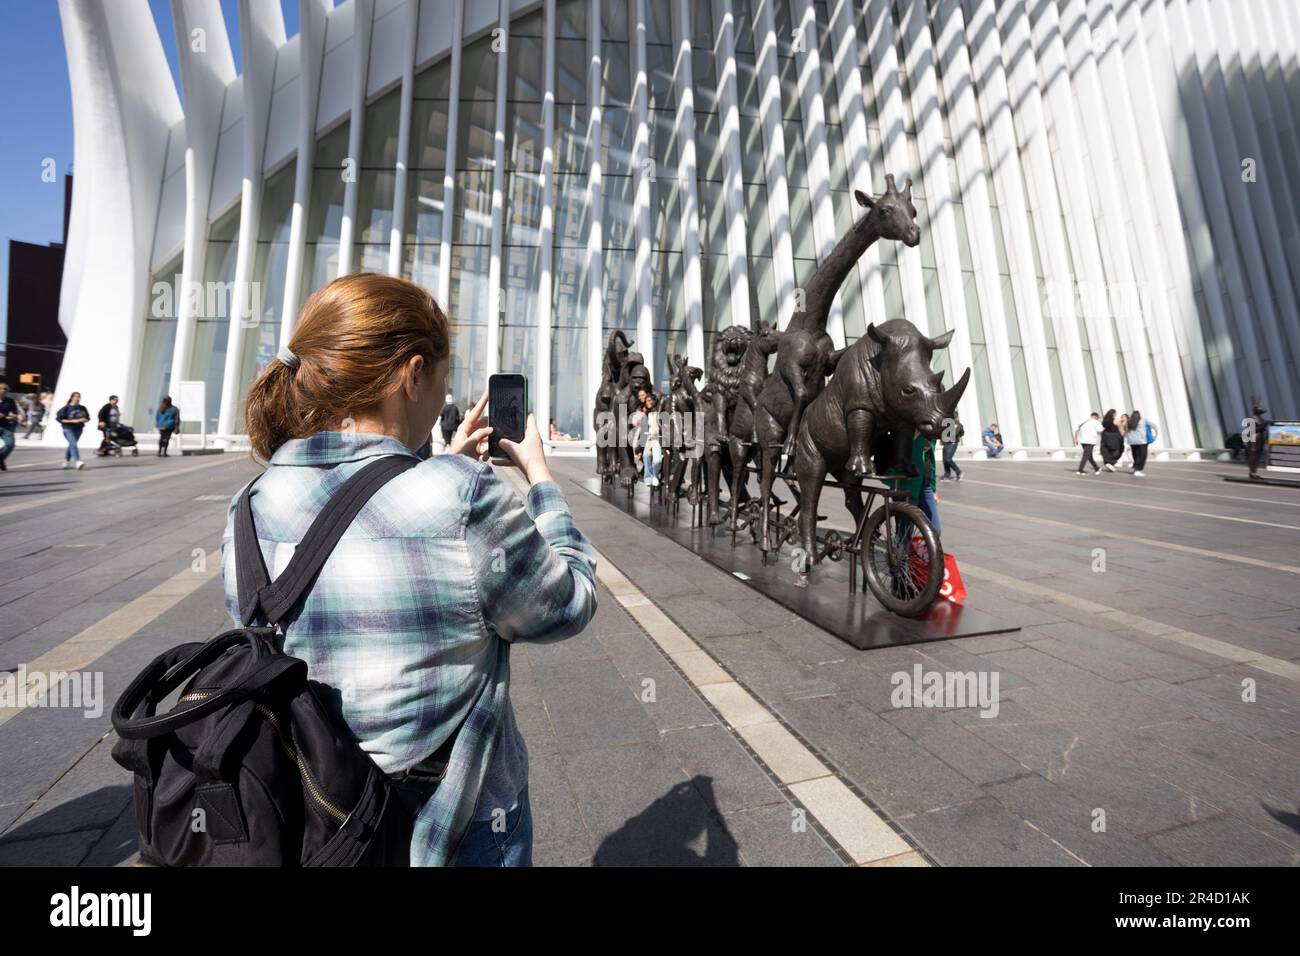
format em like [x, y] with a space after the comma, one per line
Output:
[806, 354]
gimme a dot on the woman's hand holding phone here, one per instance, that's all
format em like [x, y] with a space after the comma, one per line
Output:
[471, 436]
[528, 455]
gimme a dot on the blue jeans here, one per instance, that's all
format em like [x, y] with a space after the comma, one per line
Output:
[71, 435]
[493, 843]
[994, 450]
[652, 457]
[6, 441]
[927, 503]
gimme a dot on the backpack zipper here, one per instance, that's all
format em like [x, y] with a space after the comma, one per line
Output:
[289, 749]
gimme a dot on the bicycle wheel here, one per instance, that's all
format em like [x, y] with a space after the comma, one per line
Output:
[902, 559]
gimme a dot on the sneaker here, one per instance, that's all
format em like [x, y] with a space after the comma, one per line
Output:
[80, 465]
[1139, 474]
[67, 465]
[1109, 467]
[959, 476]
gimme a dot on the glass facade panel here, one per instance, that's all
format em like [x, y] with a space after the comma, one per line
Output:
[574, 213]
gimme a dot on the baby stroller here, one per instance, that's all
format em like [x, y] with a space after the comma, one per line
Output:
[116, 437]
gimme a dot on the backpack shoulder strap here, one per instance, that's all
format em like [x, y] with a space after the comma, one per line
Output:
[257, 593]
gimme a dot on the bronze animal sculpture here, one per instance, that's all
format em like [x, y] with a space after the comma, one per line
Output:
[635, 377]
[882, 384]
[604, 417]
[742, 436]
[806, 353]
[685, 440]
[725, 376]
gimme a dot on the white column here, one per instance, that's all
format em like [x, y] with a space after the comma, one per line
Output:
[963, 122]
[774, 170]
[1180, 349]
[892, 120]
[495, 296]
[595, 215]
[857, 148]
[693, 294]
[937, 187]
[733, 190]
[1165, 137]
[1004, 154]
[1111, 214]
[1283, 38]
[1263, 195]
[204, 78]
[1026, 107]
[395, 235]
[1207, 177]
[807, 56]
[646, 172]
[449, 177]
[1274, 124]
[311, 40]
[363, 23]
[541, 390]
[261, 34]
[1075, 197]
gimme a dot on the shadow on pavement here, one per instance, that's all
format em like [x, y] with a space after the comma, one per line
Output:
[94, 829]
[13, 491]
[1283, 817]
[663, 833]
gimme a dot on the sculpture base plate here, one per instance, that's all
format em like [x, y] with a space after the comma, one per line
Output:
[855, 618]
[1261, 480]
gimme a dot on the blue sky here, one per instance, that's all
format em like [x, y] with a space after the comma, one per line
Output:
[36, 117]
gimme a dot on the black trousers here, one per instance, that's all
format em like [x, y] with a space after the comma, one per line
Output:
[1139, 457]
[949, 454]
[164, 438]
[1087, 459]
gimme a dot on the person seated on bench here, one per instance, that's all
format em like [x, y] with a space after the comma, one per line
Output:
[993, 440]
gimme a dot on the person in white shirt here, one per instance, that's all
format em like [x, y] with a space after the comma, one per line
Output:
[1087, 435]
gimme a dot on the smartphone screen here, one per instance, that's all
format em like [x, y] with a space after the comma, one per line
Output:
[507, 409]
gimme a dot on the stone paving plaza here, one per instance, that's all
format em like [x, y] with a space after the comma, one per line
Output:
[1147, 714]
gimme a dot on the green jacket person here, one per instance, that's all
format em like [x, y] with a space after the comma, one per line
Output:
[920, 490]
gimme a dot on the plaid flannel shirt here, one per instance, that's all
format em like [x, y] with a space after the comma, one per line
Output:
[411, 618]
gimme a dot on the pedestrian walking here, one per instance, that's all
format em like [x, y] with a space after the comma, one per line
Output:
[1255, 433]
[450, 419]
[1139, 435]
[1087, 435]
[167, 419]
[35, 413]
[8, 423]
[1112, 441]
[73, 417]
[409, 624]
[951, 470]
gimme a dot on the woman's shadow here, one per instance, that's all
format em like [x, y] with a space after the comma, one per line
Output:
[667, 832]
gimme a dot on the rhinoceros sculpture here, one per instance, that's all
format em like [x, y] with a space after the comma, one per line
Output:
[882, 383]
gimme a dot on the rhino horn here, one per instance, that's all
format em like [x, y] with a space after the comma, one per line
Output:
[951, 396]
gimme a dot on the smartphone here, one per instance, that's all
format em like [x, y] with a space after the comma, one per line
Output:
[507, 410]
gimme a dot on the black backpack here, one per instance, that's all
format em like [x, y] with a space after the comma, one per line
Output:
[249, 768]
